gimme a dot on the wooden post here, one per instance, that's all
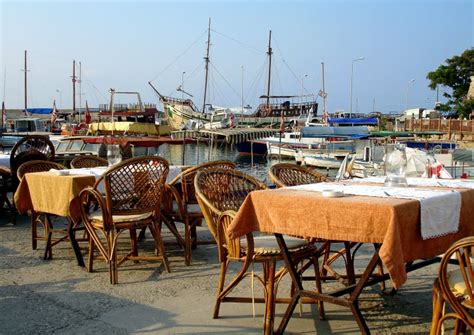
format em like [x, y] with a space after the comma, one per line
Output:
[449, 128]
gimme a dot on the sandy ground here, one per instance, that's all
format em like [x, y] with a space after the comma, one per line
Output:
[57, 296]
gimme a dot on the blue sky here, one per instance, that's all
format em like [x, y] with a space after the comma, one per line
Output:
[125, 44]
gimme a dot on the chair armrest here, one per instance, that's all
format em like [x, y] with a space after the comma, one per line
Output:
[171, 195]
[232, 244]
[91, 197]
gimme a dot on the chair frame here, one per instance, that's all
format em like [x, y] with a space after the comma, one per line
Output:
[181, 191]
[88, 161]
[42, 218]
[463, 250]
[230, 249]
[145, 199]
[288, 174]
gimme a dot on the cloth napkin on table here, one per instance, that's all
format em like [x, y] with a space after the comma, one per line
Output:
[59, 172]
[440, 209]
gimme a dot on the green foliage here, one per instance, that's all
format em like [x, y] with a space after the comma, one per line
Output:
[455, 75]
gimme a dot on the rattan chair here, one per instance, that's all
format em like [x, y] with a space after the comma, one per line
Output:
[6, 206]
[180, 204]
[455, 286]
[133, 194]
[287, 174]
[42, 218]
[220, 193]
[29, 148]
[88, 161]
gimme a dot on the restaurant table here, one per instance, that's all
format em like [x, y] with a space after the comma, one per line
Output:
[391, 224]
[57, 193]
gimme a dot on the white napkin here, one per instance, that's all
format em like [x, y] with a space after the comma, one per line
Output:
[440, 209]
[59, 172]
[427, 182]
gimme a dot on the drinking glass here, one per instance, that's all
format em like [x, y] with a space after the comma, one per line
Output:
[113, 154]
[396, 165]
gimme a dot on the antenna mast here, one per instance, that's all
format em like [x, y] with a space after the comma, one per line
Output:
[269, 53]
[207, 64]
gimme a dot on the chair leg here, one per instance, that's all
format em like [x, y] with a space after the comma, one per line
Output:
[159, 244]
[90, 260]
[133, 243]
[48, 227]
[113, 257]
[319, 289]
[34, 232]
[220, 287]
[269, 275]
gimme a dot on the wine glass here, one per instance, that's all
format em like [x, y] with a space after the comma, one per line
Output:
[113, 154]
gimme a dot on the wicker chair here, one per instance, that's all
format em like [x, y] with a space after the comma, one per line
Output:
[287, 174]
[6, 206]
[42, 218]
[180, 204]
[133, 193]
[220, 193]
[455, 286]
[88, 161]
[29, 148]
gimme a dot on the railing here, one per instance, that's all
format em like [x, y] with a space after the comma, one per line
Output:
[448, 126]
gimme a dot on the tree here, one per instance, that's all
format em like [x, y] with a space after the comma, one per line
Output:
[455, 75]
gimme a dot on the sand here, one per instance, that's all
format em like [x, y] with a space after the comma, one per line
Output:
[38, 296]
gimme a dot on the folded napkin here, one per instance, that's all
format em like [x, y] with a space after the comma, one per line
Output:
[59, 172]
[427, 182]
[440, 209]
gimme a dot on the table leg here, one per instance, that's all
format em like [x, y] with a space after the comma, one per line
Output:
[354, 290]
[71, 231]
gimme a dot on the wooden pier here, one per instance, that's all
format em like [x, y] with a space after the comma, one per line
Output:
[228, 135]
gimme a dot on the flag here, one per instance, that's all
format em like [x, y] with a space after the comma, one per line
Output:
[325, 117]
[54, 114]
[231, 120]
[87, 115]
[4, 116]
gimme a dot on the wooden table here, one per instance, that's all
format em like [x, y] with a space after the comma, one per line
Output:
[45, 192]
[393, 225]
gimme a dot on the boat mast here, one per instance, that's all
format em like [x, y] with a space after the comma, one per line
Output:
[207, 65]
[324, 90]
[73, 85]
[25, 69]
[269, 53]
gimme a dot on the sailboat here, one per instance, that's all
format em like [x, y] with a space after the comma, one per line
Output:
[183, 113]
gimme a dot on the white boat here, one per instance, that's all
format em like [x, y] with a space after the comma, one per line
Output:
[324, 160]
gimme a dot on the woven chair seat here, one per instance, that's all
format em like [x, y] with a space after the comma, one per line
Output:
[96, 218]
[267, 244]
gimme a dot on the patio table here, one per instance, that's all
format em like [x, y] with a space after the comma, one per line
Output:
[57, 193]
[392, 224]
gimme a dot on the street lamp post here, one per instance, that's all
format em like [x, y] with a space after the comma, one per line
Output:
[352, 77]
[60, 98]
[182, 84]
[408, 86]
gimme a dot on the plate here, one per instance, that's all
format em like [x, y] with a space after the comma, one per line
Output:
[332, 194]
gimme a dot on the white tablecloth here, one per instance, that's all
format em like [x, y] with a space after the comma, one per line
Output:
[440, 209]
[426, 182]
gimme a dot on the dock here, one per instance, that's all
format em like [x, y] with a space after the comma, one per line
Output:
[228, 135]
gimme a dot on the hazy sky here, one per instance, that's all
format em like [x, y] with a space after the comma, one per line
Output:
[125, 44]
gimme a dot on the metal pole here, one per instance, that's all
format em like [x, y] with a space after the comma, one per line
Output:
[242, 93]
[80, 91]
[26, 85]
[352, 75]
[324, 90]
[73, 86]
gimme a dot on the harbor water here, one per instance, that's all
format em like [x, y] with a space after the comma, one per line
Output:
[192, 154]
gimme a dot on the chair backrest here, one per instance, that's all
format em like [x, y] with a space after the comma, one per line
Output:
[287, 174]
[29, 148]
[457, 281]
[186, 178]
[219, 190]
[37, 166]
[135, 186]
[88, 161]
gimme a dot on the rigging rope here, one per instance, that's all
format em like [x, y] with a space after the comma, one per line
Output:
[248, 47]
[179, 56]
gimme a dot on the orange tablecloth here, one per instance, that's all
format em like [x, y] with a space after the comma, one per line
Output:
[49, 193]
[395, 223]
